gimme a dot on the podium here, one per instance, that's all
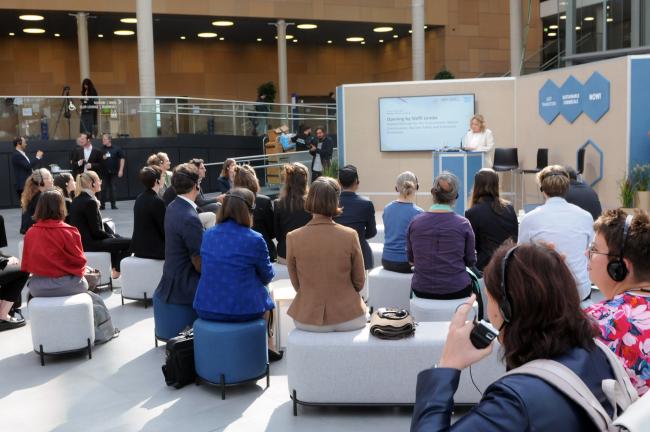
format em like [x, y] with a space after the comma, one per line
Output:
[463, 165]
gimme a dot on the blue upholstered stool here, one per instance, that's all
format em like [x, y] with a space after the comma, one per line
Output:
[169, 319]
[228, 353]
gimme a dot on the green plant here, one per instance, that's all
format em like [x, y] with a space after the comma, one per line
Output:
[626, 192]
[640, 177]
[444, 74]
[332, 170]
[267, 89]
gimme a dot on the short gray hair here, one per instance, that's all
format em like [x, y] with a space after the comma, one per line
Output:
[445, 188]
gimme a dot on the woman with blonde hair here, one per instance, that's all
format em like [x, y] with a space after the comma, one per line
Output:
[479, 138]
[397, 216]
[290, 210]
[40, 181]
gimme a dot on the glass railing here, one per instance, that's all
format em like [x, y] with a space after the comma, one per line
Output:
[63, 117]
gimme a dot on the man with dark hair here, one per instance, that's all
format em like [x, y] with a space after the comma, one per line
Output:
[85, 157]
[183, 235]
[321, 152]
[304, 139]
[23, 166]
[204, 204]
[582, 195]
[113, 164]
[358, 212]
[148, 240]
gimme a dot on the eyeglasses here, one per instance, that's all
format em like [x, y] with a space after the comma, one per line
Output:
[592, 250]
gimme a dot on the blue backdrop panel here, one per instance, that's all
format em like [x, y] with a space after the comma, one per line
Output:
[571, 99]
[463, 165]
[595, 96]
[549, 101]
[639, 150]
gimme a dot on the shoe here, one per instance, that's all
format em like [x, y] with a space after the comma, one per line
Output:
[113, 207]
[102, 207]
[275, 355]
[12, 323]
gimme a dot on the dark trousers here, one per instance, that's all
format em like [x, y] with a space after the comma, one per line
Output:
[19, 192]
[88, 121]
[108, 189]
[394, 266]
[12, 281]
[118, 247]
[315, 175]
[464, 293]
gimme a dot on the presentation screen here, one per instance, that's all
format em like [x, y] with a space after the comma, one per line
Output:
[417, 123]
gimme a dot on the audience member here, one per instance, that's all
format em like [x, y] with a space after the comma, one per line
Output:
[236, 266]
[537, 318]
[263, 210]
[566, 226]
[54, 256]
[40, 180]
[582, 195]
[321, 152]
[166, 166]
[207, 218]
[619, 266]
[397, 216]
[12, 281]
[85, 216]
[304, 139]
[85, 157]
[23, 165]
[203, 203]
[183, 234]
[148, 240]
[65, 182]
[440, 244]
[227, 176]
[157, 160]
[113, 164]
[325, 265]
[493, 219]
[358, 212]
[290, 212]
[88, 118]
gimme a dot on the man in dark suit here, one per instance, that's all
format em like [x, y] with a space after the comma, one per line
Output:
[358, 212]
[582, 195]
[113, 167]
[204, 204]
[85, 157]
[22, 164]
[183, 235]
[321, 152]
[148, 240]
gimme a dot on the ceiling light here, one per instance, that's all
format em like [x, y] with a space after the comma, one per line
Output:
[183, 38]
[589, 18]
[207, 35]
[329, 41]
[552, 34]
[295, 40]
[34, 30]
[363, 42]
[307, 26]
[354, 39]
[410, 31]
[100, 35]
[222, 38]
[381, 41]
[562, 17]
[395, 36]
[382, 29]
[129, 20]
[12, 34]
[259, 39]
[610, 19]
[124, 32]
[553, 26]
[57, 35]
[578, 28]
[426, 27]
[223, 23]
[31, 18]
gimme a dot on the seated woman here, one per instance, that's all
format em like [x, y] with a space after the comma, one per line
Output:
[397, 216]
[54, 256]
[289, 212]
[66, 183]
[12, 281]
[619, 266]
[440, 244]
[40, 180]
[227, 176]
[235, 266]
[325, 265]
[493, 219]
[263, 214]
[537, 311]
[85, 216]
[148, 239]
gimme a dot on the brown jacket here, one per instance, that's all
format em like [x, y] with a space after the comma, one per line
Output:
[325, 265]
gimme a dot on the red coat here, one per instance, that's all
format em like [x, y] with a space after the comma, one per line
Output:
[53, 249]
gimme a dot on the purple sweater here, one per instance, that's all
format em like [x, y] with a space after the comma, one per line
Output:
[440, 245]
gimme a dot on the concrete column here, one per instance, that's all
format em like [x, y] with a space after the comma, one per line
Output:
[570, 30]
[635, 18]
[82, 44]
[646, 22]
[417, 39]
[603, 18]
[515, 38]
[146, 68]
[281, 27]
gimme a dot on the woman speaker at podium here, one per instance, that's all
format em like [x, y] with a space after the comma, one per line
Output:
[479, 138]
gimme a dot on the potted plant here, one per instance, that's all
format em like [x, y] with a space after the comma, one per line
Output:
[640, 181]
[332, 170]
[626, 194]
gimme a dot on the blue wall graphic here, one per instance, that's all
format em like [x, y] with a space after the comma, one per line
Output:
[574, 98]
[549, 101]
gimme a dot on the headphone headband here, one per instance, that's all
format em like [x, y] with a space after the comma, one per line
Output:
[250, 207]
[617, 269]
[504, 305]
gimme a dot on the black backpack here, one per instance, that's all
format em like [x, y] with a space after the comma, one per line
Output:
[179, 360]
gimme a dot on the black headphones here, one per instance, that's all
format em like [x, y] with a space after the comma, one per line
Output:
[37, 174]
[250, 207]
[192, 176]
[552, 174]
[504, 304]
[88, 176]
[417, 184]
[616, 269]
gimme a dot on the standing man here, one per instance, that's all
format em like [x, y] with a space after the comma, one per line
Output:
[85, 157]
[23, 166]
[113, 163]
[304, 139]
[321, 153]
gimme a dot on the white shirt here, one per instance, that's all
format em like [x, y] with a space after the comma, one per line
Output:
[192, 203]
[482, 142]
[318, 164]
[87, 151]
[569, 228]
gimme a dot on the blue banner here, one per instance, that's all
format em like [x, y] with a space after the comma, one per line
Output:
[574, 98]
[549, 101]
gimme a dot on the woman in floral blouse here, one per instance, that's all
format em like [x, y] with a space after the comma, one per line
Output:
[619, 265]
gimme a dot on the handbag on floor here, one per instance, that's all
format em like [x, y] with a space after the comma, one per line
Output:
[390, 323]
[179, 360]
[93, 277]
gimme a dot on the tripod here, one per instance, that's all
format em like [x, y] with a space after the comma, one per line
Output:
[65, 111]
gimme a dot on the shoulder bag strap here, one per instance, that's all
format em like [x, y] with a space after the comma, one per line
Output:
[620, 391]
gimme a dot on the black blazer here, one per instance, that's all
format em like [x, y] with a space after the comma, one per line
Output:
[27, 218]
[582, 195]
[325, 152]
[96, 161]
[148, 240]
[284, 222]
[223, 184]
[359, 214]
[22, 168]
[491, 229]
[263, 222]
[84, 214]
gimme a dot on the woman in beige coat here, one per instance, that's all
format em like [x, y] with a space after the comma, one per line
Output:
[325, 265]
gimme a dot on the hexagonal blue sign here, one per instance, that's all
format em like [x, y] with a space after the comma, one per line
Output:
[595, 96]
[571, 99]
[549, 101]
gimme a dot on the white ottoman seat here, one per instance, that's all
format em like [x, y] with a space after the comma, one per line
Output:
[356, 368]
[102, 262]
[283, 294]
[377, 251]
[435, 310]
[140, 277]
[379, 237]
[281, 271]
[62, 324]
[388, 289]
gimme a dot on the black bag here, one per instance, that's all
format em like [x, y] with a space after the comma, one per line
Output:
[179, 360]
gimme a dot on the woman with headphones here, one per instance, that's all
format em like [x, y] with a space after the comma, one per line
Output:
[533, 302]
[619, 267]
[40, 181]
[84, 214]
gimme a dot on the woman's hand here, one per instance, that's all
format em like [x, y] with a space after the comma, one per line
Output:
[459, 352]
